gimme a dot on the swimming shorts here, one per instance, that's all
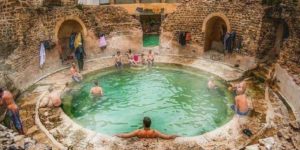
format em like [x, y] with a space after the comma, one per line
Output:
[76, 79]
[118, 64]
[233, 107]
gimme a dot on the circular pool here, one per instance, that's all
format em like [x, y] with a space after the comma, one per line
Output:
[176, 98]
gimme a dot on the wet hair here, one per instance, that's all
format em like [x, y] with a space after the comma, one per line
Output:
[50, 89]
[147, 122]
[96, 83]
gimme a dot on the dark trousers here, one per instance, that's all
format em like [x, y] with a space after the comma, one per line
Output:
[80, 64]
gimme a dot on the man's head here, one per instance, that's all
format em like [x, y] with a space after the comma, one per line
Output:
[147, 122]
[1, 92]
[96, 83]
[50, 89]
[239, 91]
[118, 52]
[129, 51]
[73, 64]
[150, 51]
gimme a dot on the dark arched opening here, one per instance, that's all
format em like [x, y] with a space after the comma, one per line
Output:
[65, 30]
[215, 30]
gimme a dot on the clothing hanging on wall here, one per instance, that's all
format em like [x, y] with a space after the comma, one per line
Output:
[226, 37]
[182, 38]
[78, 41]
[102, 42]
[42, 55]
[188, 36]
[72, 40]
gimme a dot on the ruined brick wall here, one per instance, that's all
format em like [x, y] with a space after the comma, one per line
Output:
[8, 37]
[24, 29]
[245, 19]
[290, 53]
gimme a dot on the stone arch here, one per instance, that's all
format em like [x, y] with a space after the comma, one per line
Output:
[69, 18]
[63, 30]
[217, 14]
[214, 27]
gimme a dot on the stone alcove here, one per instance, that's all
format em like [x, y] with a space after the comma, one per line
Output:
[63, 30]
[214, 27]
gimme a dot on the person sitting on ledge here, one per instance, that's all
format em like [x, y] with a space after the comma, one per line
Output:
[6, 98]
[150, 59]
[130, 58]
[118, 60]
[241, 103]
[54, 98]
[96, 90]
[76, 76]
[147, 132]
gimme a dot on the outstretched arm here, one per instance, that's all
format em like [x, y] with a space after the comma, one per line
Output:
[128, 135]
[164, 136]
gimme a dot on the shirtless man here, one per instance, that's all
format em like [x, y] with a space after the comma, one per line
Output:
[76, 76]
[118, 60]
[96, 90]
[6, 98]
[54, 97]
[150, 58]
[147, 132]
[241, 103]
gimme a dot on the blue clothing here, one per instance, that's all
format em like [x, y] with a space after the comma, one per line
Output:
[72, 40]
[76, 79]
[233, 107]
[15, 117]
[79, 53]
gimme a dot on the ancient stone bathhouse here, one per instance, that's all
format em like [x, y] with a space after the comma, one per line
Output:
[268, 30]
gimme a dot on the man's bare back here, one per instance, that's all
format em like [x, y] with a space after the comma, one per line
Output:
[241, 103]
[97, 91]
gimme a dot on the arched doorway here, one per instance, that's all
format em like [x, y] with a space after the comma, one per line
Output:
[65, 30]
[215, 29]
[282, 33]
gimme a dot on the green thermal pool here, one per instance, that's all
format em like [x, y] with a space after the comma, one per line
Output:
[150, 40]
[176, 98]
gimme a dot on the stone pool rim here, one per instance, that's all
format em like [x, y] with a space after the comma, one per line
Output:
[197, 63]
[193, 71]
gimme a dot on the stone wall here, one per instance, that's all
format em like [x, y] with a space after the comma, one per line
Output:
[191, 16]
[26, 28]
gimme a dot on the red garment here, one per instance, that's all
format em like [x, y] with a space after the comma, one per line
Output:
[188, 36]
[136, 58]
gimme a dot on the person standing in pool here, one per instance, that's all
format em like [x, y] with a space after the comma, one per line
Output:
[118, 60]
[150, 58]
[6, 98]
[241, 103]
[96, 90]
[211, 84]
[146, 132]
